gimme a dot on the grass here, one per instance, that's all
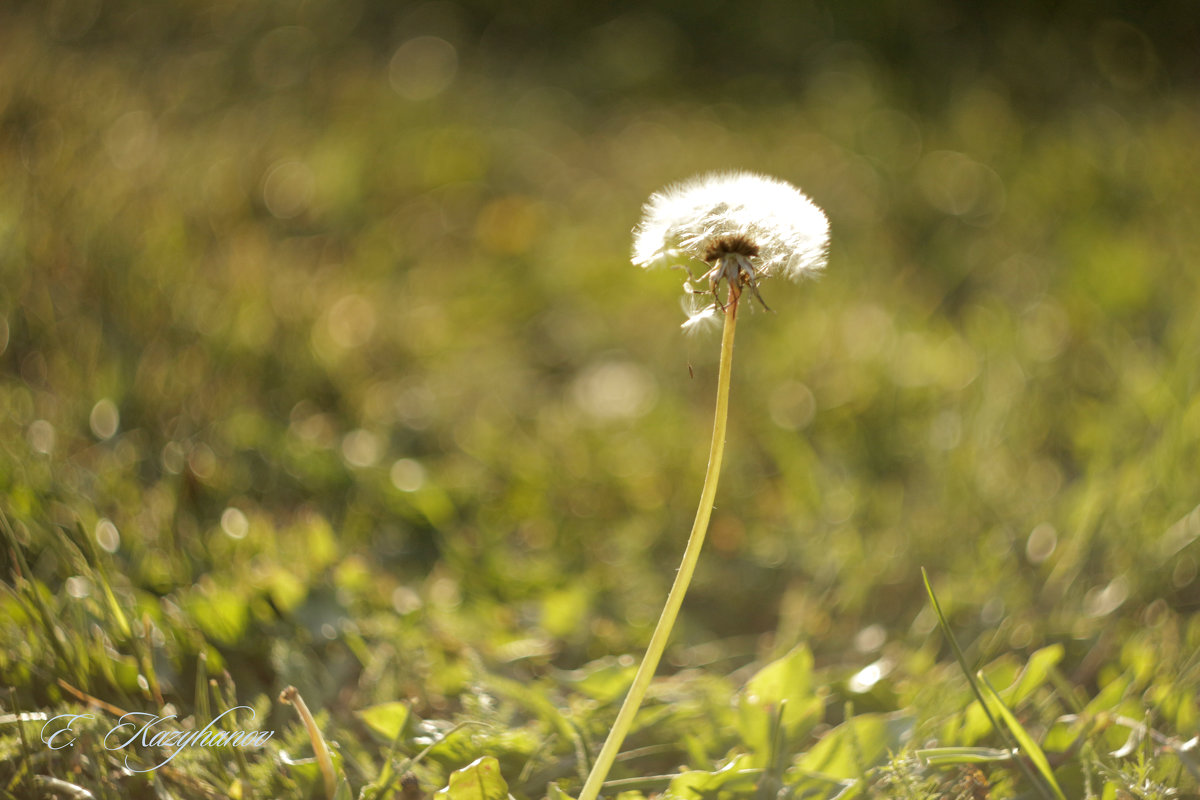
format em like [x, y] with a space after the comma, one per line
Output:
[306, 383]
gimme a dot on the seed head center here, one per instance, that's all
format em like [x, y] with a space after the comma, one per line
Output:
[734, 244]
[732, 267]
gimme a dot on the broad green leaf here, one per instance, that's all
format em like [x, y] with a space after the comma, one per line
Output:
[479, 780]
[737, 775]
[385, 719]
[1004, 671]
[1111, 695]
[320, 543]
[1036, 672]
[305, 771]
[781, 696]
[451, 747]
[220, 612]
[434, 504]
[975, 724]
[287, 589]
[605, 680]
[564, 609]
[858, 744]
[535, 700]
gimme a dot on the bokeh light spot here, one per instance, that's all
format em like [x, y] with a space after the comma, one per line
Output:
[288, 189]
[351, 321]
[41, 436]
[405, 600]
[202, 461]
[870, 638]
[234, 523]
[992, 612]
[104, 419]
[423, 67]
[868, 676]
[614, 390]
[1041, 543]
[78, 587]
[956, 184]
[792, 406]
[174, 457]
[1124, 55]
[107, 536]
[361, 448]
[1102, 601]
[1184, 572]
[407, 475]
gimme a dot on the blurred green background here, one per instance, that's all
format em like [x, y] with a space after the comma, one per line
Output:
[318, 319]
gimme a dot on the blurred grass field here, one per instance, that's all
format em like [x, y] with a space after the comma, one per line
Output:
[322, 363]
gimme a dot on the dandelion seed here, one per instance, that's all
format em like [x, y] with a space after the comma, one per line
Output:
[699, 318]
[746, 226]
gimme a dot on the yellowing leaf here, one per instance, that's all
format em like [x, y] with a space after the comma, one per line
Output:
[479, 780]
[385, 719]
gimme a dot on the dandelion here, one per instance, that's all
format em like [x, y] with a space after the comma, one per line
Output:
[745, 228]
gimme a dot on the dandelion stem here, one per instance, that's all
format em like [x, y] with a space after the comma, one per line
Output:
[691, 554]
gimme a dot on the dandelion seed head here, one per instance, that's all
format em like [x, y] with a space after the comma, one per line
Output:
[763, 219]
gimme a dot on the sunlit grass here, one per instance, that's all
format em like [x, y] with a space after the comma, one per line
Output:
[299, 386]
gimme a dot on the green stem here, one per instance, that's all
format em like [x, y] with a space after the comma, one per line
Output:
[691, 554]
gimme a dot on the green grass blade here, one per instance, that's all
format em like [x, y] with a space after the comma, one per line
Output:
[1026, 742]
[943, 756]
[974, 684]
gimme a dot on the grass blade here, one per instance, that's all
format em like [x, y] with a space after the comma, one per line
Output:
[974, 684]
[1026, 742]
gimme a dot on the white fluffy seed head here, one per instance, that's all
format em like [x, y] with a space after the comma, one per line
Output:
[681, 222]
